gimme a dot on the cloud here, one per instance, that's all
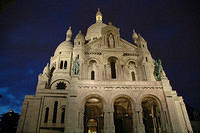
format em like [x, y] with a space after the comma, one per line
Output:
[10, 100]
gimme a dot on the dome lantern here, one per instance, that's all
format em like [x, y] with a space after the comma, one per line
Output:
[98, 16]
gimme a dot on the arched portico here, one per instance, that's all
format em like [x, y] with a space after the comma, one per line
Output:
[152, 114]
[93, 119]
[124, 114]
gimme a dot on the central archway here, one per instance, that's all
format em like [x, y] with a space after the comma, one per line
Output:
[123, 116]
[93, 116]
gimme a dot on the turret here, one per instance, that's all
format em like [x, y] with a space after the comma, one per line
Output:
[79, 40]
[145, 57]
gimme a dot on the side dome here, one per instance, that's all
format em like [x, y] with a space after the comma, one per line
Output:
[63, 48]
[65, 45]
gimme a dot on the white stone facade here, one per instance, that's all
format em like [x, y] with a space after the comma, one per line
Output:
[113, 89]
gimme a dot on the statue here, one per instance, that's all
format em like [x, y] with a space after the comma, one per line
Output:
[111, 41]
[76, 66]
[158, 70]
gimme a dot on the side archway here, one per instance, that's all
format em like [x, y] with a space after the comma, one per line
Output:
[151, 112]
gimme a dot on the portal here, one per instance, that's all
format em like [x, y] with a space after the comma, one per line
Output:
[93, 116]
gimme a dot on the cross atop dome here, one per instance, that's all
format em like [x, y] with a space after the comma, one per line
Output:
[98, 16]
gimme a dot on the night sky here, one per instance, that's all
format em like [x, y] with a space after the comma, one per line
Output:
[30, 31]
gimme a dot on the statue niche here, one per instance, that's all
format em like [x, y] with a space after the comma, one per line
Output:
[111, 41]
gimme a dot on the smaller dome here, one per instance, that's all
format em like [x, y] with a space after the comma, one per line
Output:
[80, 36]
[63, 47]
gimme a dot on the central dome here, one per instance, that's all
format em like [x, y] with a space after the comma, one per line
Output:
[94, 31]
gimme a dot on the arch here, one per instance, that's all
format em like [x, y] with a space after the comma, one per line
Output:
[131, 60]
[123, 115]
[60, 80]
[92, 62]
[88, 96]
[61, 64]
[150, 95]
[98, 61]
[113, 70]
[152, 114]
[93, 115]
[92, 75]
[65, 65]
[132, 101]
[112, 58]
[55, 112]
[133, 76]
[113, 67]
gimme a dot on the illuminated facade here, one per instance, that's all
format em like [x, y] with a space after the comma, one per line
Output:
[101, 83]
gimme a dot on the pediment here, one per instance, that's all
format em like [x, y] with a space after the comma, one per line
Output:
[126, 45]
[96, 44]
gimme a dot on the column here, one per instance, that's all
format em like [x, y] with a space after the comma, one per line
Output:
[134, 126]
[108, 122]
[139, 120]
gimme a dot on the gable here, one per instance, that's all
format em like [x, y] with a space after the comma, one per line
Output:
[126, 45]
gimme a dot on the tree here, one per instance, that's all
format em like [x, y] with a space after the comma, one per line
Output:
[8, 123]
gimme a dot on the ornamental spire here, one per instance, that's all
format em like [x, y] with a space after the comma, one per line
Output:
[98, 16]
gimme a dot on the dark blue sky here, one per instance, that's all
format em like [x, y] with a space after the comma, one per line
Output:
[30, 31]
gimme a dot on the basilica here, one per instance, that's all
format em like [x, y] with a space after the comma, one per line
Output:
[101, 83]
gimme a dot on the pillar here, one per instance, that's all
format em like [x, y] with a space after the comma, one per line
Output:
[109, 121]
[139, 120]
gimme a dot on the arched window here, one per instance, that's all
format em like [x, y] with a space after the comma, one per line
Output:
[61, 64]
[92, 75]
[133, 76]
[46, 115]
[55, 111]
[146, 59]
[113, 70]
[63, 115]
[65, 65]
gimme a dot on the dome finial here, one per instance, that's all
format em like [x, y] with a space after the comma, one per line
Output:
[69, 34]
[98, 16]
[134, 35]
